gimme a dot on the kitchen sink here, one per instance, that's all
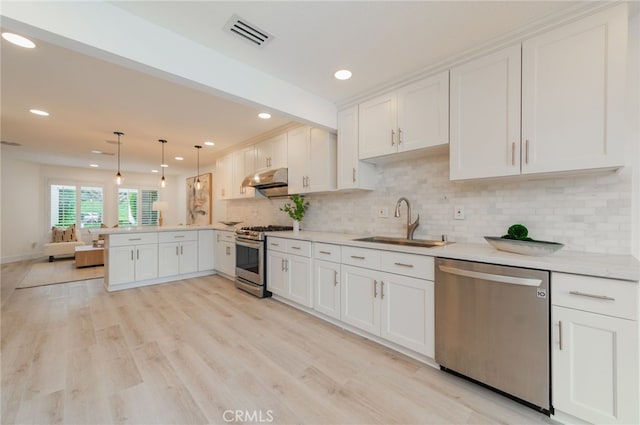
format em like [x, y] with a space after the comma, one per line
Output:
[424, 243]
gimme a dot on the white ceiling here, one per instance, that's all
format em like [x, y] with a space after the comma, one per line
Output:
[89, 99]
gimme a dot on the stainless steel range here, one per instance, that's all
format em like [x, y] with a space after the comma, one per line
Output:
[251, 274]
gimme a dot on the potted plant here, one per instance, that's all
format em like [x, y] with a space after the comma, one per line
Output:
[296, 210]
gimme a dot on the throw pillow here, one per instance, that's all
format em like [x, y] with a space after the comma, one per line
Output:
[57, 234]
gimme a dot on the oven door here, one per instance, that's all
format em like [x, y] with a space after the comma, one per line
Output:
[250, 260]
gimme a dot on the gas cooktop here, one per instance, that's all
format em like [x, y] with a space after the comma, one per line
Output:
[257, 232]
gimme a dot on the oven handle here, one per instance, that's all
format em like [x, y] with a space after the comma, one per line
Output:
[248, 243]
[491, 277]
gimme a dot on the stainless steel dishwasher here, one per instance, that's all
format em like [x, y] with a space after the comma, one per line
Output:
[492, 325]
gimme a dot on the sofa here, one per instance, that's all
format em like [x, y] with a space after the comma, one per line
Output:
[63, 242]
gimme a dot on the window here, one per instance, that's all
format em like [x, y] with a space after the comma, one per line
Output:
[134, 207]
[65, 200]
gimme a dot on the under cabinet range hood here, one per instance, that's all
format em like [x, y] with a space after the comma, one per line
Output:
[271, 182]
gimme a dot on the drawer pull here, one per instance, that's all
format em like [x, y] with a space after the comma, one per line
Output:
[295, 247]
[404, 265]
[325, 252]
[275, 244]
[135, 239]
[357, 257]
[584, 294]
[179, 236]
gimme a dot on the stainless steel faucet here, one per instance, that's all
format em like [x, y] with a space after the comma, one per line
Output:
[411, 227]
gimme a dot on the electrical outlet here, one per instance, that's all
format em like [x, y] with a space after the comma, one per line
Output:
[383, 212]
[458, 213]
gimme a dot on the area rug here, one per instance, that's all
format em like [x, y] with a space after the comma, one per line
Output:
[46, 273]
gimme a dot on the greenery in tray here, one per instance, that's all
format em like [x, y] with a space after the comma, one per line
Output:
[297, 209]
[518, 232]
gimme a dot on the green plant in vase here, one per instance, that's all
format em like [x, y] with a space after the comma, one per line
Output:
[296, 209]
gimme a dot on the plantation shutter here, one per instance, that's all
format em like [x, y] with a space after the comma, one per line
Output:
[91, 206]
[127, 207]
[149, 217]
[63, 205]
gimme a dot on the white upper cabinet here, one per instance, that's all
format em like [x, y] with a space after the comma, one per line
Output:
[413, 117]
[569, 117]
[485, 116]
[352, 173]
[244, 163]
[311, 158]
[272, 153]
[224, 178]
[572, 95]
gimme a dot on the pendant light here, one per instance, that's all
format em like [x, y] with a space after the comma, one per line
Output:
[198, 184]
[119, 177]
[163, 181]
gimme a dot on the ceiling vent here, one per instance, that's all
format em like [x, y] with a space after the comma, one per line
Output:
[248, 32]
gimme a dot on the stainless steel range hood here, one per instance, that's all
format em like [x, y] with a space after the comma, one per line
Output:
[271, 182]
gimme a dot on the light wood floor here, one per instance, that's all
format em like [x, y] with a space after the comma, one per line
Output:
[189, 351]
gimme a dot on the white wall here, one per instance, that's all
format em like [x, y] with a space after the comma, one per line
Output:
[25, 201]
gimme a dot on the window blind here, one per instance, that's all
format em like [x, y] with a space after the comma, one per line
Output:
[127, 207]
[91, 206]
[149, 217]
[63, 205]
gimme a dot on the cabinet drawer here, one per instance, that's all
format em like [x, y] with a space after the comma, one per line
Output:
[177, 236]
[327, 252]
[298, 247]
[276, 244]
[407, 264]
[133, 239]
[226, 236]
[361, 257]
[617, 298]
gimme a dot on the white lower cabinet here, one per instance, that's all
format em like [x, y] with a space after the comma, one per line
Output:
[206, 250]
[326, 277]
[130, 258]
[397, 308]
[177, 253]
[289, 270]
[595, 359]
[225, 258]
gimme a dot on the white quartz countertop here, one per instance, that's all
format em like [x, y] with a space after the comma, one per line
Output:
[148, 229]
[624, 267]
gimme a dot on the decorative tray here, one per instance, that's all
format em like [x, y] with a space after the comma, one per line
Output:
[230, 223]
[538, 248]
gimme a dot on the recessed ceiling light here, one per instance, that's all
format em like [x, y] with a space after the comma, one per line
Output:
[164, 165]
[342, 74]
[209, 143]
[18, 40]
[39, 112]
[97, 152]
[179, 158]
[93, 165]
[264, 115]
[154, 171]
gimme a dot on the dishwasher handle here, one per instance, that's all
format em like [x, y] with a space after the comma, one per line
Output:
[491, 277]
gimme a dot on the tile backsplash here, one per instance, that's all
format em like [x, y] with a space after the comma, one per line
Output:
[588, 212]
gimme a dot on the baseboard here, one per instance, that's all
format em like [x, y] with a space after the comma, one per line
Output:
[16, 258]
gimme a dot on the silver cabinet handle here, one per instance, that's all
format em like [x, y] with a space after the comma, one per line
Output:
[286, 265]
[560, 335]
[325, 252]
[526, 151]
[491, 277]
[217, 237]
[335, 278]
[176, 251]
[135, 239]
[354, 175]
[178, 236]
[282, 264]
[393, 133]
[357, 257]
[132, 255]
[275, 244]
[584, 294]
[382, 289]
[513, 153]
[375, 289]
[404, 265]
[137, 254]
[296, 247]
[399, 136]
[181, 250]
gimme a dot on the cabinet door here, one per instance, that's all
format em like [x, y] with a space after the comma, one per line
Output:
[377, 127]
[206, 250]
[326, 277]
[298, 159]
[146, 261]
[321, 174]
[423, 113]
[121, 265]
[224, 176]
[572, 95]
[300, 280]
[595, 366]
[485, 116]
[272, 153]
[225, 256]
[189, 257]
[360, 298]
[276, 274]
[169, 259]
[352, 173]
[244, 163]
[407, 314]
